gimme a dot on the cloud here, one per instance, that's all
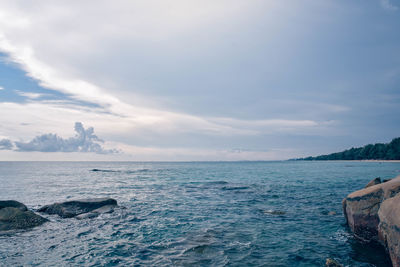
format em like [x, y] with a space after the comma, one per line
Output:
[29, 95]
[1, 88]
[181, 74]
[84, 141]
[5, 144]
[388, 6]
[150, 124]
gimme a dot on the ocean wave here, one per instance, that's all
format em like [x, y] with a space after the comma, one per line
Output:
[273, 212]
[121, 171]
[103, 170]
[229, 188]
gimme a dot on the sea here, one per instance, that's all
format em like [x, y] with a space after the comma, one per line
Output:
[278, 213]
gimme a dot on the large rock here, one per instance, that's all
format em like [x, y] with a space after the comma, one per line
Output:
[77, 207]
[373, 215]
[361, 208]
[389, 227]
[15, 215]
[375, 181]
[332, 263]
[12, 204]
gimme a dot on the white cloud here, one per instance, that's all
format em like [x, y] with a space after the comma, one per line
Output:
[84, 141]
[80, 45]
[54, 58]
[1, 88]
[45, 116]
[29, 95]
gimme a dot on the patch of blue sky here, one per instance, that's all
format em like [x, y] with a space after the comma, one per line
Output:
[17, 87]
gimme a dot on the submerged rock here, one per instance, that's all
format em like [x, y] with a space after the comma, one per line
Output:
[74, 208]
[375, 181]
[332, 263]
[274, 212]
[15, 215]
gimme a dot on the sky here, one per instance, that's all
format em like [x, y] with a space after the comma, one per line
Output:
[186, 80]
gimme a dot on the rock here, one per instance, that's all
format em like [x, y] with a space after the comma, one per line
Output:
[76, 207]
[274, 212]
[96, 212]
[12, 204]
[105, 209]
[361, 208]
[386, 180]
[12, 218]
[331, 213]
[374, 182]
[373, 215]
[88, 215]
[389, 227]
[332, 263]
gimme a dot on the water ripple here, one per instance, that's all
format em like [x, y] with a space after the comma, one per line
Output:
[184, 214]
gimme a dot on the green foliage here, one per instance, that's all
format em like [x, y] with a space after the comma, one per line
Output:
[390, 151]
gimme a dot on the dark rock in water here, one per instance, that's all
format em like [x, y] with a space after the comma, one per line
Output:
[229, 188]
[76, 207]
[386, 180]
[14, 218]
[12, 204]
[274, 212]
[375, 181]
[332, 263]
[100, 170]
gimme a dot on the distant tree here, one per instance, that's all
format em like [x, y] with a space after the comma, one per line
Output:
[390, 151]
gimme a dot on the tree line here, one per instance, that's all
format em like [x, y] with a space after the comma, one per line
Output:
[389, 151]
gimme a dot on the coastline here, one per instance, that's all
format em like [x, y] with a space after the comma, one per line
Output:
[354, 160]
[377, 160]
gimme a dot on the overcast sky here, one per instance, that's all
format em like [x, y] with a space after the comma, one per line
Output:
[196, 80]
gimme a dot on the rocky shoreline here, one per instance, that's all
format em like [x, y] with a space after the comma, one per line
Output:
[373, 215]
[16, 216]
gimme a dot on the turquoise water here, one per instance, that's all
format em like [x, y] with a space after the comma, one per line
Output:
[191, 214]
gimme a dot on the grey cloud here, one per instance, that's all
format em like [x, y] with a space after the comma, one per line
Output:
[5, 144]
[84, 141]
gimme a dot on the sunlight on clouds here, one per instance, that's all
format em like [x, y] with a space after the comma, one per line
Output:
[135, 69]
[50, 78]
